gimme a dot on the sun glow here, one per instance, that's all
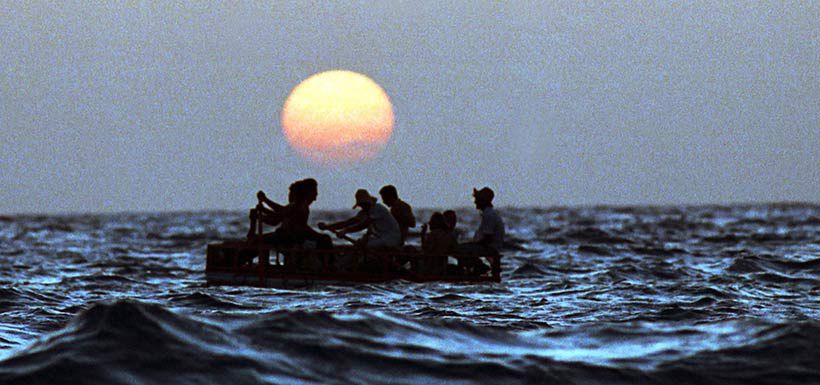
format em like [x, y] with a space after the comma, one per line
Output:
[338, 117]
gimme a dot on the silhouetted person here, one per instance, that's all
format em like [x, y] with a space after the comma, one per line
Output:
[438, 240]
[437, 243]
[294, 230]
[489, 237]
[268, 211]
[382, 229]
[400, 210]
[300, 229]
[451, 219]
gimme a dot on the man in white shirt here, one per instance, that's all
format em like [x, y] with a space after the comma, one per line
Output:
[489, 237]
[382, 229]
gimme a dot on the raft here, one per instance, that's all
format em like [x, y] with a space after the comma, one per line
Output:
[246, 263]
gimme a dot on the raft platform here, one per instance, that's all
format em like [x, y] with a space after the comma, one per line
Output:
[246, 263]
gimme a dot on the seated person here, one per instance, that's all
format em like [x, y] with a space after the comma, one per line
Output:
[294, 230]
[267, 212]
[400, 210]
[382, 229]
[272, 215]
[489, 237]
[438, 243]
[452, 220]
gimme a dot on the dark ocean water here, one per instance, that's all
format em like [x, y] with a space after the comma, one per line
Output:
[707, 295]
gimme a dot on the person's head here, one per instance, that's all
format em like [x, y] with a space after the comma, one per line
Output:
[364, 199]
[389, 194]
[483, 198]
[311, 189]
[294, 192]
[437, 221]
[450, 218]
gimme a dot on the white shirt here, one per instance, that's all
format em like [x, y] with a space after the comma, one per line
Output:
[491, 226]
[382, 224]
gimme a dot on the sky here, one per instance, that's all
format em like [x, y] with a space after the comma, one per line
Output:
[154, 106]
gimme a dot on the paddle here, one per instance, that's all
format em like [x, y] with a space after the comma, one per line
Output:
[343, 236]
[338, 233]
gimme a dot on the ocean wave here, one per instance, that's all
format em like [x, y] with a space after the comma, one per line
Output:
[129, 342]
[588, 295]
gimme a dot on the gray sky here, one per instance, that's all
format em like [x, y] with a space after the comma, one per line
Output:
[176, 107]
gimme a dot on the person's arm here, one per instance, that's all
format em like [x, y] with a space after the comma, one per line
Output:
[423, 236]
[338, 225]
[263, 199]
[411, 221]
[485, 240]
[270, 217]
[484, 235]
[361, 225]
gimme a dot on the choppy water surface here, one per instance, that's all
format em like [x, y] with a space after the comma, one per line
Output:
[592, 295]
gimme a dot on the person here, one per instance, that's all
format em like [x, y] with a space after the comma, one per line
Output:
[451, 219]
[298, 224]
[436, 244]
[438, 240]
[400, 210]
[269, 212]
[489, 237]
[293, 230]
[382, 229]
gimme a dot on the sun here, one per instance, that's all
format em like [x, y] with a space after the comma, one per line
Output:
[338, 117]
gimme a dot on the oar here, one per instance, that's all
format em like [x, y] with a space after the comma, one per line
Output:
[338, 233]
[343, 236]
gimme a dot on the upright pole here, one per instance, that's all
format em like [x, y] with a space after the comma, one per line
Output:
[263, 263]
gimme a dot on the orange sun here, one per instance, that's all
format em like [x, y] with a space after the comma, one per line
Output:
[338, 117]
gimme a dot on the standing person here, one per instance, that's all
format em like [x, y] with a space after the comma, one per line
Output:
[382, 229]
[400, 210]
[489, 237]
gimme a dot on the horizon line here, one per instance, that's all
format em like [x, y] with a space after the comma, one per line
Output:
[6, 216]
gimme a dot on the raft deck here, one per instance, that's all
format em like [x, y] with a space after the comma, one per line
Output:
[248, 264]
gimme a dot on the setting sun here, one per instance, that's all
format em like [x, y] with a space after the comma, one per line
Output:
[338, 117]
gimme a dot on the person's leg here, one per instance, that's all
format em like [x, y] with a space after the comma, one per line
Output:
[376, 244]
[322, 241]
[277, 238]
[473, 263]
[373, 263]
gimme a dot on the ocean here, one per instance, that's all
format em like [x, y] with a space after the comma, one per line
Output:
[589, 295]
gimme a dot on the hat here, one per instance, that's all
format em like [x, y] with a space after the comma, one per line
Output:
[485, 192]
[362, 196]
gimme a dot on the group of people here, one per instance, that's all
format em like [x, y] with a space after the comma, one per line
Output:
[386, 229]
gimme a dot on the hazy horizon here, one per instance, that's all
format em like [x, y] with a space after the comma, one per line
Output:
[158, 107]
[415, 208]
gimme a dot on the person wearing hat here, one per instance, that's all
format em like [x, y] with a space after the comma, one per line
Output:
[489, 237]
[382, 229]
